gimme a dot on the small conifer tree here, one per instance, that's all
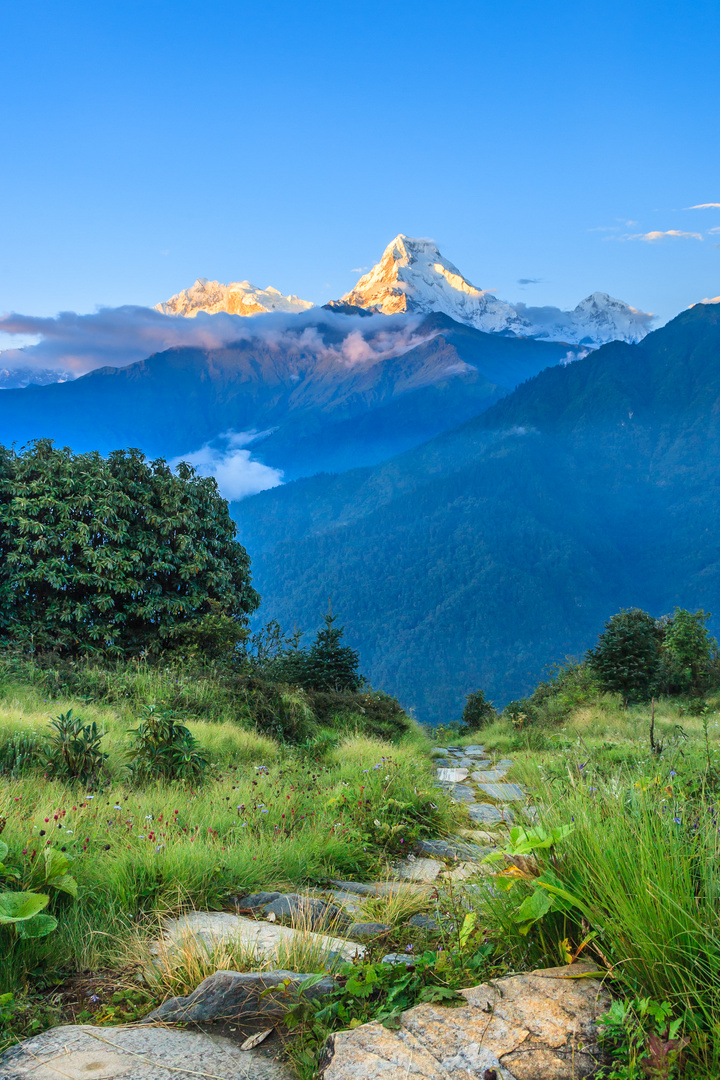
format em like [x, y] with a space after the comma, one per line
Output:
[329, 665]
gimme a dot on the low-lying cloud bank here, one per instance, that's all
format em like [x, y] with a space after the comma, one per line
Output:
[74, 344]
[230, 462]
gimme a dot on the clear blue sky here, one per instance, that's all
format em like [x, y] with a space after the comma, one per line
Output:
[143, 145]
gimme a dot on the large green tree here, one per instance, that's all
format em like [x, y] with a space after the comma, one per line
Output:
[116, 554]
[690, 648]
[627, 658]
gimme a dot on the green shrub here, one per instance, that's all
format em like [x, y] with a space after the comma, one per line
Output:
[164, 749]
[20, 753]
[371, 712]
[478, 712]
[73, 751]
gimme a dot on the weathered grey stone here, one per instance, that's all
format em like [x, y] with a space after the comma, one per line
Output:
[84, 1052]
[441, 849]
[305, 912]
[366, 931]
[412, 869]
[255, 900]
[424, 922]
[461, 793]
[376, 888]
[491, 776]
[452, 776]
[488, 814]
[210, 928]
[438, 751]
[399, 958]
[540, 1026]
[503, 792]
[349, 902]
[229, 995]
[474, 751]
[506, 763]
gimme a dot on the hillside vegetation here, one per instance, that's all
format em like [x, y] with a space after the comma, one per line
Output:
[499, 547]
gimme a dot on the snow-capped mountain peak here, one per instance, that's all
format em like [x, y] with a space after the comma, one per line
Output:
[237, 298]
[412, 276]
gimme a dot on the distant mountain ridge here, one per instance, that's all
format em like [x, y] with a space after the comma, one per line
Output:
[236, 298]
[412, 276]
[308, 392]
[500, 546]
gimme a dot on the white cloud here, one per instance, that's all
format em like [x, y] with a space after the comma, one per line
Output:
[713, 232]
[704, 206]
[657, 234]
[232, 465]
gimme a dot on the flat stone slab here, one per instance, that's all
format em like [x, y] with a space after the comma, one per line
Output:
[474, 751]
[460, 792]
[377, 888]
[491, 776]
[135, 1052]
[349, 902]
[425, 870]
[442, 849]
[541, 1026]
[503, 792]
[219, 927]
[232, 995]
[487, 814]
[452, 776]
[506, 763]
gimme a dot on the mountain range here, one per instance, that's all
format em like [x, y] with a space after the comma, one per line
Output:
[315, 391]
[411, 278]
[476, 496]
[502, 545]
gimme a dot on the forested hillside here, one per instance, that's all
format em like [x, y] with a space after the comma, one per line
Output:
[498, 547]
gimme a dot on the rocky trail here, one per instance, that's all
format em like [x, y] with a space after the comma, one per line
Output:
[523, 1027]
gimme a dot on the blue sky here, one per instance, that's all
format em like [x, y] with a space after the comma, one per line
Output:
[143, 145]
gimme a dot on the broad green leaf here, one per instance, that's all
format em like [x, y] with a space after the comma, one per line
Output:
[17, 906]
[467, 928]
[3, 850]
[57, 864]
[534, 906]
[65, 883]
[37, 927]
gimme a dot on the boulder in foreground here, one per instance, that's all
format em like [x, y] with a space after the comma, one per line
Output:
[84, 1052]
[540, 1026]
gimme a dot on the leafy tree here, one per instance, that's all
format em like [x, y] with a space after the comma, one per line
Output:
[627, 659]
[690, 647]
[478, 712]
[115, 555]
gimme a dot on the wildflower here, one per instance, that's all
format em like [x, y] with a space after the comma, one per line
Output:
[673, 773]
[677, 821]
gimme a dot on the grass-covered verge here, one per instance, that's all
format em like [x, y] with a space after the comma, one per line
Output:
[628, 799]
[267, 814]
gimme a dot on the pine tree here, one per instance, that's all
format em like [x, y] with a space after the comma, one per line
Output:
[330, 665]
[627, 658]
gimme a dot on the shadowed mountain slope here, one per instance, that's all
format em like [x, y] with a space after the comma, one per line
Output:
[323, 390]
[502, 545]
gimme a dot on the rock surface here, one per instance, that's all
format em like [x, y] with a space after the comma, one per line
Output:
[135, 1053]
[229, 995]
[210, 928]
[540, 1026]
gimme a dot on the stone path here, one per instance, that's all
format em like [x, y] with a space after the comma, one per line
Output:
[468, 775]
[325, 919]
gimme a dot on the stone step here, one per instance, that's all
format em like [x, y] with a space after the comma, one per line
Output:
[503, 792]
[376, 888]
[75, 1052]
[491, 776]
[452, 776]
[209, 928]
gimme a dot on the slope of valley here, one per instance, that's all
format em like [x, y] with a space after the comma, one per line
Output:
[502, 545]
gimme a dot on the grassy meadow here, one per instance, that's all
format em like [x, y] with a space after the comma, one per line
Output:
[636, 854]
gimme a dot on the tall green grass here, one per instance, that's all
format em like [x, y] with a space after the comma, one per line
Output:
[644, 859]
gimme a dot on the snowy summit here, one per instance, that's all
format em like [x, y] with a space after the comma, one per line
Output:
[237, 298]
[412, 276]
